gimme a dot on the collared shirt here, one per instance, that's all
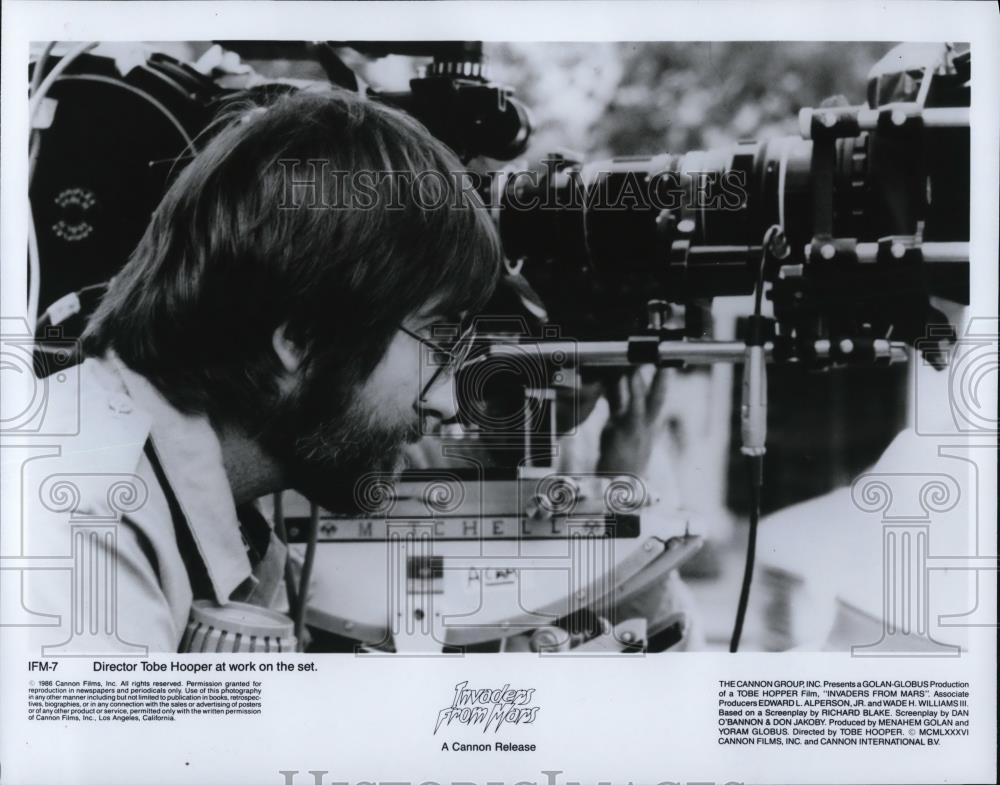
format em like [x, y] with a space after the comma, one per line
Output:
[132, 580]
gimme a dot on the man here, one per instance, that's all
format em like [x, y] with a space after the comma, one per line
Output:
[267, 333]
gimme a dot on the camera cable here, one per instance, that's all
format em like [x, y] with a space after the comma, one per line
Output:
[753, 416]
[306, 574]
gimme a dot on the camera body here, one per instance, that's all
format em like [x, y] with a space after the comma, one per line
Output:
[448, 561]
[872, 202]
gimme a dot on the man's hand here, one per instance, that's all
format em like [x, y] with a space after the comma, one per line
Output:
[636, 414]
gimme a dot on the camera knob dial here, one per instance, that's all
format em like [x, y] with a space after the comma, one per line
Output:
[458, 69]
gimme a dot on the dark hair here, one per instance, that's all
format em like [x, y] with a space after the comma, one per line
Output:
[263, 228]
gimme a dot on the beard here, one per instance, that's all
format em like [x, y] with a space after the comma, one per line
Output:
[332, 459]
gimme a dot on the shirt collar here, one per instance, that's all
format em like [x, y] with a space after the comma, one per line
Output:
[191, 456]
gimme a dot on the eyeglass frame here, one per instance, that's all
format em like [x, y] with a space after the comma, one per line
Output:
[456, 359]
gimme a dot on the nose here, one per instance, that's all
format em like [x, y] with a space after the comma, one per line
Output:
[441, 399]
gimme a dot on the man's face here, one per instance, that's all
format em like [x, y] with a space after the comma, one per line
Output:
[329, 434]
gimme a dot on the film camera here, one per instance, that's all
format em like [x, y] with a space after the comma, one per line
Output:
[848, 229]
[872, 202]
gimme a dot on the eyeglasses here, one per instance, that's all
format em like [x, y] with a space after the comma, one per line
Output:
[450, 358]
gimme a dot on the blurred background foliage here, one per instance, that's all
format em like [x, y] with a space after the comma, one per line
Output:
[604, 98]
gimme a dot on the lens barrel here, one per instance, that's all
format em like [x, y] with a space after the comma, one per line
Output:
[599, 240]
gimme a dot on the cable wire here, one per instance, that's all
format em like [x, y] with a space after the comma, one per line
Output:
[36, 80]
[279, 528]
[755, 463]
[34, 263]
[65, 62]
[34, 272]
[43, 59]
[773, 236]
[304, 578]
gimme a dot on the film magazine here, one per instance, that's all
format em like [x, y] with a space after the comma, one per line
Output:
[548, 393]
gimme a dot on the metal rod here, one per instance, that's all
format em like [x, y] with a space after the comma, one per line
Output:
[933, 117]
[945, 252]
[616, 353]
[950, 253]
[867, 119]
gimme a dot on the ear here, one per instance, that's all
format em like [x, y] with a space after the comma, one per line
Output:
[289, 352]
